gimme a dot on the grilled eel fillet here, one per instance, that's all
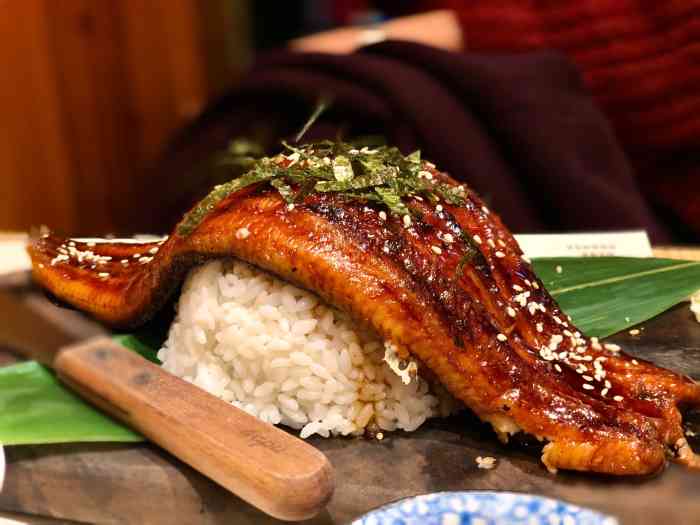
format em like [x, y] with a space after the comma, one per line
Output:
[481, 322]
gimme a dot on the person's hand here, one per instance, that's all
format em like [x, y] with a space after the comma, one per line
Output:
[436, 28]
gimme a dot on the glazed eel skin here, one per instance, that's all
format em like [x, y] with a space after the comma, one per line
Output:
[486, 328]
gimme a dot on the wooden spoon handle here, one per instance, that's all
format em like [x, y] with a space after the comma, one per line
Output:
[265, 466]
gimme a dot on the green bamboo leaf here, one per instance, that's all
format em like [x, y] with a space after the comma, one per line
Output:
[37, 409]
[605, 295]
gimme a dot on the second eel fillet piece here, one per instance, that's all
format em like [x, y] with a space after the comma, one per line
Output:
[431, 270]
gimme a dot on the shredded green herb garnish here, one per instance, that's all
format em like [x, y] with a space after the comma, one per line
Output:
[382, 175]
[322, 105]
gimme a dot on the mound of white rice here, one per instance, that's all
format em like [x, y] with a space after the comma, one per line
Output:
[277, 352]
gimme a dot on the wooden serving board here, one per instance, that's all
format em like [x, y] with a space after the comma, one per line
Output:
[116, 483]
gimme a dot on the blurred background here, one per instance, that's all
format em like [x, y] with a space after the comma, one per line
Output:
[93, 90]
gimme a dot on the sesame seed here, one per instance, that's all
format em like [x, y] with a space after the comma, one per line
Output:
[382, 215]
[124, 261]
[426, 175]
[635, 362]
[436, 249]
[634, 332]
[604, 392]
[547, 354]
[91, 245]
[407, 221]
[418, 198]
[485, 210]
[477, 239]
[555, 341]
[59, 258]
[501, 337]
[242, 233]
[539, 327]
[535, 285]
[586, 386]
[500, 254]
[557, 367]
[294, 157]
[290, 206]
[153, 251]
[491, 243]
[612, 347]
[41, 265]
[136, 255]
[521, 298]
[558, 269]
[486, 463]
[448, 238]
[103, 275]
[608, 384]
[438, 208]
[618, 398]
[517, 288]
[511, 311]
[367, 210]
[587, 378]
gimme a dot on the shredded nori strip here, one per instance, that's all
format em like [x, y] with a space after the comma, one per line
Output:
[382, 175]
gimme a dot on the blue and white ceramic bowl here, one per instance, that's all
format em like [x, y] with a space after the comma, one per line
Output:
[483, 508]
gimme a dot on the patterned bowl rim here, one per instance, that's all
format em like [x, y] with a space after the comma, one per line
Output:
[481, 492]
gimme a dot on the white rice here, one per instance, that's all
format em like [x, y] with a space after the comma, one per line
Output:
[277, 352]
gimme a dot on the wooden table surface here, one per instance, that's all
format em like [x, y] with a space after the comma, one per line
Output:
[119, 483]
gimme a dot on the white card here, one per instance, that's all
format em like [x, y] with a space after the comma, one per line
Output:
[621, 244]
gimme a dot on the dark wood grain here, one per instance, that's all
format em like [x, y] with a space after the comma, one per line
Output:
[109, 483]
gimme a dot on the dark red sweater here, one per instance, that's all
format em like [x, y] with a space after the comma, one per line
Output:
[641, 61]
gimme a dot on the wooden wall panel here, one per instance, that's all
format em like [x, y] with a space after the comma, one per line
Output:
[93, 90]
[36, 167]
